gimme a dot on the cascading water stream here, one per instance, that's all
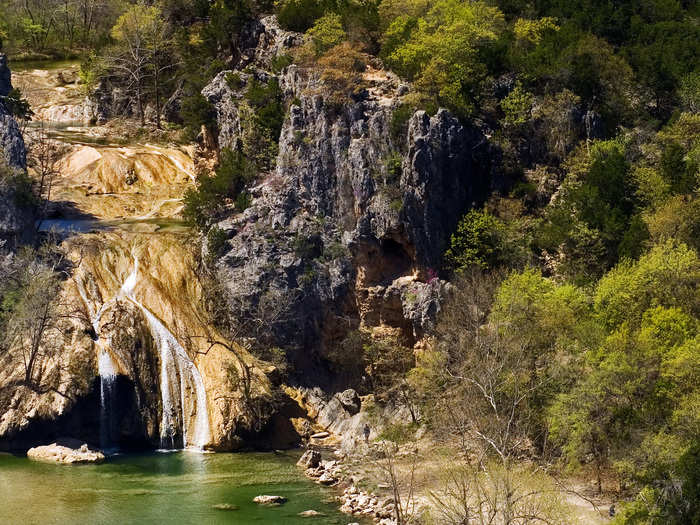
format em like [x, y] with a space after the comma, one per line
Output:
[178, 375]
[174, 364]
[108, 378]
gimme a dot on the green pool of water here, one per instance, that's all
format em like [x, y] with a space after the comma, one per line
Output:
[180, 487]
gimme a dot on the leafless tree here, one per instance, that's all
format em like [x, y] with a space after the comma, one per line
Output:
[230, 323]
[141, 54]
[35, 318]
[161, 60]
[402, 482]
[472, 496]
[482, 394]
[44, 160]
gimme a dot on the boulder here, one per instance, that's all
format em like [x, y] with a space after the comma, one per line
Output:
[66, 452]
[269, 500]
[310, 459]
[225, 506]
[310, 514]
[327, 479]
[350, 400]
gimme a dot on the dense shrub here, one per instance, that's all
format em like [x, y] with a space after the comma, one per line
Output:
[212, 193]
[343, 66]
[196, 111]
[477, 242]
[299, 15]
[216, 243]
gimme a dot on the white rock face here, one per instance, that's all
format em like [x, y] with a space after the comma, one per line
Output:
[68, 452]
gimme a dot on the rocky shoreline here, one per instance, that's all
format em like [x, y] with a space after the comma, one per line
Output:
[354, 501]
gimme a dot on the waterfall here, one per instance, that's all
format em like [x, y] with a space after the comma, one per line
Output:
[107, 369]
[178, 375]
[108, 378]
[179, 378]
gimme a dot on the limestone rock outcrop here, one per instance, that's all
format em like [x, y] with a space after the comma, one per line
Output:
[66, 452]
[11, 142]
[16, 217]
[349, 227]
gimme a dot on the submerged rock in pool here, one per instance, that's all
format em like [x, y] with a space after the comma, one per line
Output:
[66, 452]
[310, 514]
[269, 500]
[225, 506]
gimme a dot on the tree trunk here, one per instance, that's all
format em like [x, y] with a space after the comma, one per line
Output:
[140, 104]
[155, 88]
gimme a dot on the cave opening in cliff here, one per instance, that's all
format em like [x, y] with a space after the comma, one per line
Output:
[393, 262]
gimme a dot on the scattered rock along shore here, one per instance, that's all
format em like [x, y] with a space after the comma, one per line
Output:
[380, 508]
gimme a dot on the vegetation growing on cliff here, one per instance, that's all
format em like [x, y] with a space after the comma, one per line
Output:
[571, 335]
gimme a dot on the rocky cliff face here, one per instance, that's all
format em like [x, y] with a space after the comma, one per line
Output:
[349, 227]
[15, 218]
[11, 140]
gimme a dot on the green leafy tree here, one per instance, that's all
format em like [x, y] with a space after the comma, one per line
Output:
[477, 242]
[299, 15]
[517, 106]
[205, 202]
[326, 33]
[131, 56]
[669, 275]
[440, 50]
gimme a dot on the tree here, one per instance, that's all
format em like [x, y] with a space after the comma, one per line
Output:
[138, 55]
[161, 60]
[343, 66]
[478, 242]
[32, 314]
[402, 484]
[229, 180]
[669, 275]
[326, 33]
[19, 107]
[484, 382]
[440, 50]
[43, 159]
[244, 332]
[299, 15]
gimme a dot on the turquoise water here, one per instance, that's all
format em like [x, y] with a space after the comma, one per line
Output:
[180, 487]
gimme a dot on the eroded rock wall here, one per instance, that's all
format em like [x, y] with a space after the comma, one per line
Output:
[16, 216]
[350, 226]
